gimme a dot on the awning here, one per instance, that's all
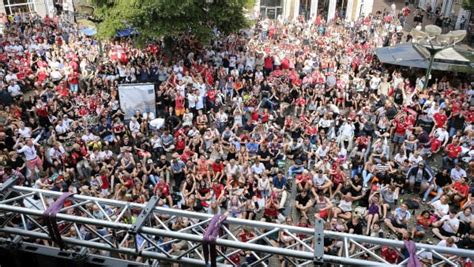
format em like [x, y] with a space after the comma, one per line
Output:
[89, 31]
[126, 32]
[410, 55]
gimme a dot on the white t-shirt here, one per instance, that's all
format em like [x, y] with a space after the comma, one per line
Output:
[457, 174]
[443, 243]
[192, 99]
[14, 90]
[258, 169]
[449, 223]
[319, 179]
[25, 132]
[440, 209]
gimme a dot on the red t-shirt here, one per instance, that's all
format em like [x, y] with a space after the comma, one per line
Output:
[463, 189]
[179, 102]
[268, 64]
[265, 117]
[254, 115]
[217, 167]
[300, 101]
[469, 116]
[218, 189]
[440, 119]
[163, 188]
[105, 182]
[401, 127]
[246, 236]
[211, 95]
[180, 144]
[453, 150]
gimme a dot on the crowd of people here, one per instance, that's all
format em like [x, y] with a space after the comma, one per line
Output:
[287, 122]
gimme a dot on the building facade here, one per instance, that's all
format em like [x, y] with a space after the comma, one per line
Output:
[292, 9]
[41, 7]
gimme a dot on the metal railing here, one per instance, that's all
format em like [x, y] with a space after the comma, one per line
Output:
[111, 227]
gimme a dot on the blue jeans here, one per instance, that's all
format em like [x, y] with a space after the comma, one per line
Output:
[356, 171]
[439, 193]
[295, 170]
[452, 131]
[449, 162]
[154, 179]
[366, 176]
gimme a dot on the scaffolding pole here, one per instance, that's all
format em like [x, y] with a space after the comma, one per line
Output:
[151, 238]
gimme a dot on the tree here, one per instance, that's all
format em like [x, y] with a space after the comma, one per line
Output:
[169, 18]
[468, 5]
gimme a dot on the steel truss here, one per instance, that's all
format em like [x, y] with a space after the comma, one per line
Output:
[148, 239]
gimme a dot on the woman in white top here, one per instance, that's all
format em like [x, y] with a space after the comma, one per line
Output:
[344, 209]
[188, 118]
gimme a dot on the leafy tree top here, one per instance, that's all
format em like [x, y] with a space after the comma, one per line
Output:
[170, 18]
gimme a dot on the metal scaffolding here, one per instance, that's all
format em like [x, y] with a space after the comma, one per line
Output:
[143, 233]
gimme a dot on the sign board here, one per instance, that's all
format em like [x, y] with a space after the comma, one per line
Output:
[140, 96]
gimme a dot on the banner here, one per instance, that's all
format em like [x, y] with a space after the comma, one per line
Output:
[135, 97]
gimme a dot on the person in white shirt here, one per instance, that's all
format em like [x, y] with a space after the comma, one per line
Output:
[320, 182]
[442, 135]
[134, 126]
[346, 134]
[14, 89]
[457, 173]
[258, 167]
[10, 77]
[60, 129]
[24, 131]
[322, 151]
[441, 206]
[55, 153]
[192, 99]
[89, 137]
[448, 242]
[447, 226]
[31, 156]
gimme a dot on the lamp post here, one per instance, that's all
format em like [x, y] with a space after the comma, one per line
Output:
[433, 41]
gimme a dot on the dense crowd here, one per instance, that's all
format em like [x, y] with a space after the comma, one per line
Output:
[286, 122]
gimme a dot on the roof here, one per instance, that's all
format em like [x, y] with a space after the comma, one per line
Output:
[412, 55]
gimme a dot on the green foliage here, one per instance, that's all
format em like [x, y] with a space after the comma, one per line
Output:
[468, 5]
[170, 18]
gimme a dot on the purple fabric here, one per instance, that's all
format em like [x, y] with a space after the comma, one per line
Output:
[209, 238]
[413, 260]
[49, 216]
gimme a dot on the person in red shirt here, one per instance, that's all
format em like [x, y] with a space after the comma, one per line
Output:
[440, 118]
[211, 98]
[104, 181]
[219, 192]
[162, 191]
[458, 191]
[268, 65]
[73, 80]
[453, 151]
[179, 105]
[217, 170]
[300, 104]
[399, 131]
[180, 144]
[304, 181]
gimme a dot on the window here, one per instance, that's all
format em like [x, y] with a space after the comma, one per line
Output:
[16, 6]
[270, 3]
[271, 8]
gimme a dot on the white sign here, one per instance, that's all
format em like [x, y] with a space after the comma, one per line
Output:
[135, 97]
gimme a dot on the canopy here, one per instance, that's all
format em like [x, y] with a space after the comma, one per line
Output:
[411, 55]
[89, 31]
[126, 32]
